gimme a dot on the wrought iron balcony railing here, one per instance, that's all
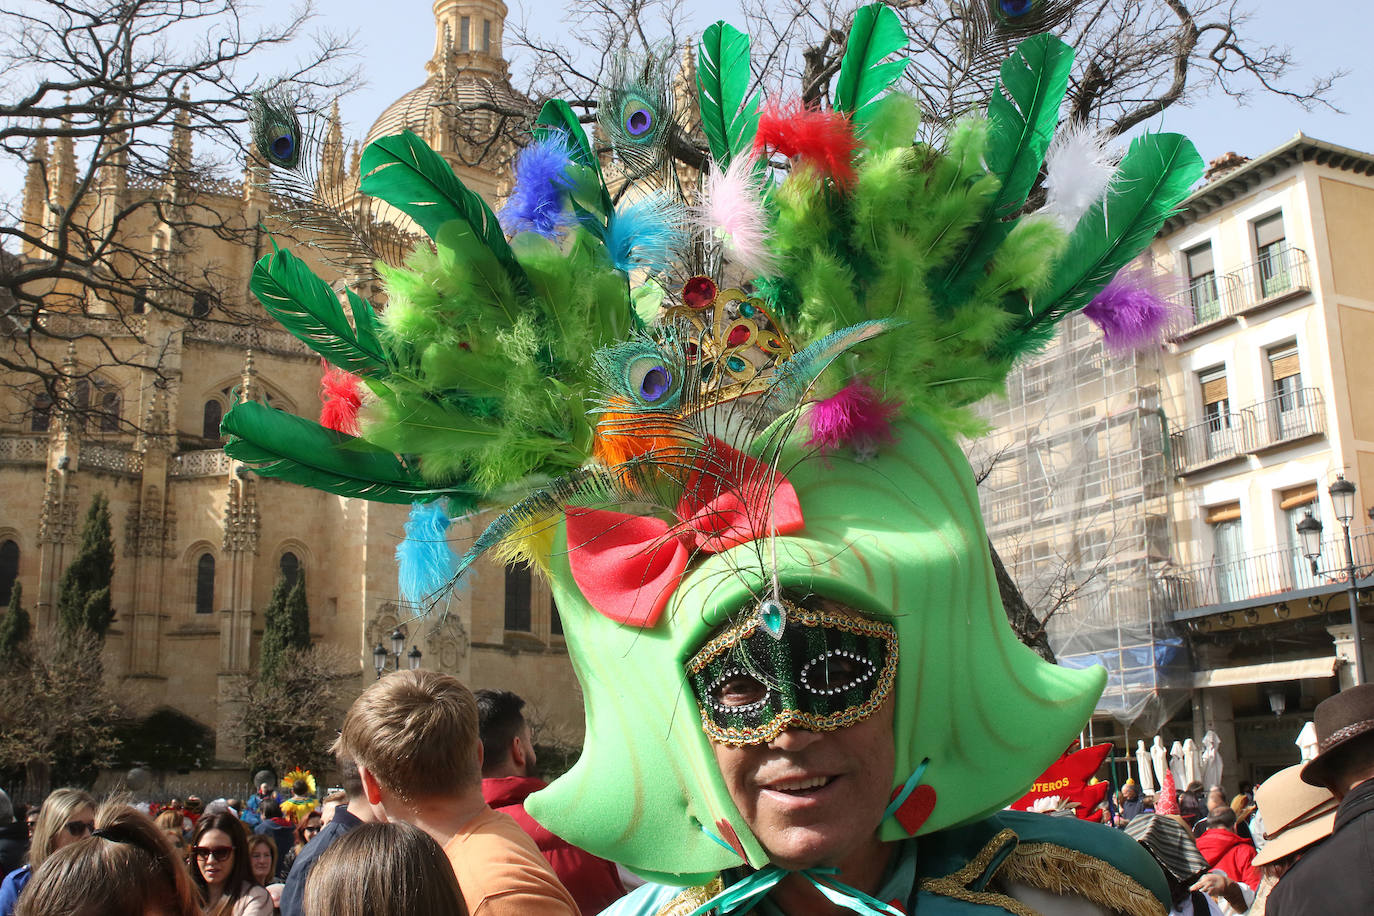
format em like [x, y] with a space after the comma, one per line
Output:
[1211, 298]
[1267, 424]
[1260, 575]
[1286, 418]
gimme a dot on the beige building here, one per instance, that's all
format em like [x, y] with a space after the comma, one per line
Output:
[1151, 500]
[200, 540]
[1268, 395]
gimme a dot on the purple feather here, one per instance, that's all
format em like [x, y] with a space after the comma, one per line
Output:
[1130, 312]
[541, 180]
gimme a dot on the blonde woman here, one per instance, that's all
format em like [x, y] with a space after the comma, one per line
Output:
[127, 867]
[387, 869]
[67, 815]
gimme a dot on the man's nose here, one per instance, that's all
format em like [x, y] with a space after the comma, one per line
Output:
[793, 738]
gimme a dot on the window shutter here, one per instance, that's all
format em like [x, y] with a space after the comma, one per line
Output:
[1293, 497]
[1269, 231]
[1200, 262]
[1213, 388]
[1227, 513]
[1284, 363]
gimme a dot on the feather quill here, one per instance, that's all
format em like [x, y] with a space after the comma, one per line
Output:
[1078, 171]
[876, 33]
[821, 139]
[647, 233]
[732, 212]
[729, 115]
[425, 564]
[541, 183]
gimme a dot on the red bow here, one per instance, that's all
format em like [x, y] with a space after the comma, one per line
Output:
[628, 566]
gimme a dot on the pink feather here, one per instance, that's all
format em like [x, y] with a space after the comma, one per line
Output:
[341, 397]
[732, 211]
[821, 139]
[855, 416]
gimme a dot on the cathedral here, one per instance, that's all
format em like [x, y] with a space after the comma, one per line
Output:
[200, 540]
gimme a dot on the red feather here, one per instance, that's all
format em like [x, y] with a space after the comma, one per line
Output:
[341, 397]
[823, 140]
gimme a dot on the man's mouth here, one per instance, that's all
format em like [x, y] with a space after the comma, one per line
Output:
[799, 785]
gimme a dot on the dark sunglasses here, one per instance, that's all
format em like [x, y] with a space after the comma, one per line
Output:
[79, 828]
[214, 853]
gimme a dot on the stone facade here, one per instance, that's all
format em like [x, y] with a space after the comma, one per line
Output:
[200, 540]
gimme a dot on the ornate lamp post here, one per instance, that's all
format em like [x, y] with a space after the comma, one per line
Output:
[398, 645]
[1310, 533]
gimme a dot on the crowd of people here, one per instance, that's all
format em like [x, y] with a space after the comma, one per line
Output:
[430, 820]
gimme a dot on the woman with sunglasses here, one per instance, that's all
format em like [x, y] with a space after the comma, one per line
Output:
[67, 815]
[309, 828]
[127, 867]
[223, 869]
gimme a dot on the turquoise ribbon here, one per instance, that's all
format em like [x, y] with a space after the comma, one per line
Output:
[744, 893]
[911, 783]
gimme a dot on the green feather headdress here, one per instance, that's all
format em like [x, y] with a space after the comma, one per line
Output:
[541, 370]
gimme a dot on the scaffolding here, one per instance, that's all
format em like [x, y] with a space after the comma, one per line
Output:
[1075, 490]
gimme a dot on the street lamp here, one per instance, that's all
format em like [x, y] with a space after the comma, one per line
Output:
[1310, 532]
[398, 645]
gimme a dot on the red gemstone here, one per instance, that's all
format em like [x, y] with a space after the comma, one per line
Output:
[699, 292]
[739, 334]
[691, 349]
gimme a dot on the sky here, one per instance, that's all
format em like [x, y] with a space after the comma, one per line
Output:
[396, 48]
[1326, 35]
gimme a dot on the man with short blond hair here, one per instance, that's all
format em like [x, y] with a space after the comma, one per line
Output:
[414, 737]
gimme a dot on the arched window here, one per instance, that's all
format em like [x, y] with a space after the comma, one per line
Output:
[205, 584]
[41, 418]
[518, 587]
[211, 415]
[109, 412]
[9, 570]
[290, 568]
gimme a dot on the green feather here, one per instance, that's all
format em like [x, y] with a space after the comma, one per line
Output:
[403, 171]
[301, 451]
[728, 118]
[876, 33]
[558, 116]
[1022, 115]
[1154, 176]
[307, 307]
[364, 321]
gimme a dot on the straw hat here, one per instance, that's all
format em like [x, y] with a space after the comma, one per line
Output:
[1296, 814]
[1339, 719]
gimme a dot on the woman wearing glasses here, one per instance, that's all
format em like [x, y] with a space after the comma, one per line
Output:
[67, 815]
[223, 869]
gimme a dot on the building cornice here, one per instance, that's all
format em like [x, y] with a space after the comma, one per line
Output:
[1241, 181]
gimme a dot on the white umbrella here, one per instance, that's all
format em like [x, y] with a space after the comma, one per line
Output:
[1192, 767]
[1159, 754]
[1176, 765]
[1211, 759]
[1307, 742]
[1142, 759]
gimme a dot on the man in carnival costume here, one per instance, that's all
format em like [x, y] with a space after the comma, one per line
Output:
[801, 688]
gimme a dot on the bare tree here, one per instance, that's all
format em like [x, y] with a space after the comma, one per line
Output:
[99, 101]
[291, 719]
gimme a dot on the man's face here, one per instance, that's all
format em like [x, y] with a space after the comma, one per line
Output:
[814, 798]
[1128, 793]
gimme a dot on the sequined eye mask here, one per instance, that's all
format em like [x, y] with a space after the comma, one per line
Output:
[826, 670]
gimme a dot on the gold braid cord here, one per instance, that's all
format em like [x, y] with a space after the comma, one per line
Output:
[691, 898]
[1065, 871]
[957, 884]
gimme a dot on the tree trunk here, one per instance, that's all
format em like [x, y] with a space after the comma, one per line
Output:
[1019, 614]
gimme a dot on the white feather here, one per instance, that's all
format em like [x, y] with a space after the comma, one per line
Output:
[1079, 170]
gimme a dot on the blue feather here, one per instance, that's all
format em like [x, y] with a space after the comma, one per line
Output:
[541, 184]
[425, 563]
[648, 233]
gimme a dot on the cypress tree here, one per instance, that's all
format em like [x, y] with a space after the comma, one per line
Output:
[14, 628]
[285, 626]
[83, 593]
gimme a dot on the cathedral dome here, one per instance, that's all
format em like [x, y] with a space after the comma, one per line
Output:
[412, 110]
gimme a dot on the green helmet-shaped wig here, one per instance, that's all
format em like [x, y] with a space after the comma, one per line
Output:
[691, 465]
[897, 537]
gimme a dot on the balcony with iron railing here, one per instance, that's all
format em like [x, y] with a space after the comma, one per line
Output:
[1279, 421]
[1264, 576]
[1212, 299]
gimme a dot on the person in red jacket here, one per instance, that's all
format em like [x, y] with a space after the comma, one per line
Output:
[508, 776]
[1228, 851]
